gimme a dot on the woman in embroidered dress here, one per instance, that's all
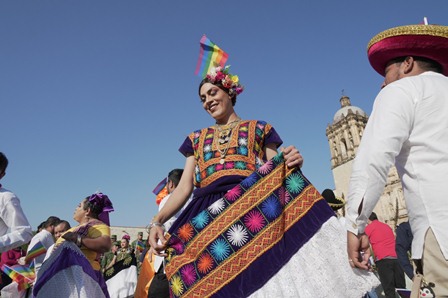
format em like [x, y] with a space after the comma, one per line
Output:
[220, 161]
[92, 237]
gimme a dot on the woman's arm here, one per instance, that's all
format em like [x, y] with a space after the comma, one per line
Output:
[100, 244]
[177, 199]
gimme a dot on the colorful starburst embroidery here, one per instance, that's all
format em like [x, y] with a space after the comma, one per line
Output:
[266, 168]
[242, 150]
[254, 221]
[242, 141]
[216, 207]
[188, 274]
[186, 232]
[229, 165]
[294, 183]
[207, 148]
[283, 196]
[178, 247]
[208, 155]
[249, 181]
[200, 220]
[237, 235]
[233, 194]
[220, 249]
[176, 285]
[240, 165]
[205, 263]
[271, 207]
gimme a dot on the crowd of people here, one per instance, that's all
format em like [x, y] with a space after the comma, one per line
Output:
[241, 220]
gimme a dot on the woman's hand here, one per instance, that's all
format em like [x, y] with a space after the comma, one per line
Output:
[292, 156]
[157, 233]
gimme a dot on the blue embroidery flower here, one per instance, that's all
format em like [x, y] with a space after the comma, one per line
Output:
[220, 249]
[271, 207]
[240, 165]
[242, 150]
[249, 181]
[208, 155]
[200, 220]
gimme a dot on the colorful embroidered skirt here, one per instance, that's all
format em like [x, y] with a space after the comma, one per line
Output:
[237, 244]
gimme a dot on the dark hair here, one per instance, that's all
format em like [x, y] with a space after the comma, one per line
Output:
[66, 224]
[3, 162]
[175, 175]
[41, 225]
[220, 86]
[373, 216]
[426, 64]
[94, 208]
[51, 221]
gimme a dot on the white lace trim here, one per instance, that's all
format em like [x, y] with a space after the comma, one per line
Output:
[320, 269]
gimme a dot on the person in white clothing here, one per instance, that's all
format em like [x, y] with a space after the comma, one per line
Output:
[15, 229]
[46, 238]
[408, 127]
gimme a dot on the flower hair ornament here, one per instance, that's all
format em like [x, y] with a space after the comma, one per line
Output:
[102, 201]
[225, 78]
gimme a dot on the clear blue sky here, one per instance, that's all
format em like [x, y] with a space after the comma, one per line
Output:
[99, 95]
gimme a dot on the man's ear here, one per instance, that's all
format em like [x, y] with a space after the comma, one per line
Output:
[408, 64]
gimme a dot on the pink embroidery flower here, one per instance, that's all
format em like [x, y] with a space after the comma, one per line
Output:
[254, 221]
[188, 274]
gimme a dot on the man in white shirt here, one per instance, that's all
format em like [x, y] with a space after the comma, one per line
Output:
[408, 127]
[15, 229]
[159, 287]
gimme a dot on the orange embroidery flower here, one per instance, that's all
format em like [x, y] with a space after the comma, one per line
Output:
[205, 263]
[186, 232]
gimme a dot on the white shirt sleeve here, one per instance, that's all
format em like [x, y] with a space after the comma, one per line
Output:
[15, 229]
[388, 128]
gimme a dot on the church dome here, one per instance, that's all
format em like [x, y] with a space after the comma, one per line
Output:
[347, 108]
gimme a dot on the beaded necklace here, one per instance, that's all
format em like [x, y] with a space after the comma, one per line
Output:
[224, 136]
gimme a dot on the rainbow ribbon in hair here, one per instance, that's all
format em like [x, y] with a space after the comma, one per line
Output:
[210, 55]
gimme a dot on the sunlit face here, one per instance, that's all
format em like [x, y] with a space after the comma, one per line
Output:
[80, 213]
[124, 243]
[59, 230]
[215, 101]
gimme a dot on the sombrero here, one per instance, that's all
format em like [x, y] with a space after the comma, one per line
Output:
[334, 202]
[428, 41]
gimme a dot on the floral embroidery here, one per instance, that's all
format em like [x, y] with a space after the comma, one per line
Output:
[254, 221]
[205, 263]
[237, 235]
[200, 220]
[271, 207]
[186, 232]
[220, 249]
[294, 183]
[188, 274]
[216, 207]
[177, 286]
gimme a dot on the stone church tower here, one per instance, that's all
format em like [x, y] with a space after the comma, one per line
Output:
[344, 136]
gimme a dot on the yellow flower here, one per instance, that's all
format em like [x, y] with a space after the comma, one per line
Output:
[176, 285]
[235, 79]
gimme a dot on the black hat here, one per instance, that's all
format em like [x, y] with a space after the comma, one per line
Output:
[334, 202]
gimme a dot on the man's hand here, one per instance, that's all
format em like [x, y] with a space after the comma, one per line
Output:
[358, 249]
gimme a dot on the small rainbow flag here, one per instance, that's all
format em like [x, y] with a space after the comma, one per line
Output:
[210, 55]
[140, 246]
[24, 276]
[160, 190]
[35, 251]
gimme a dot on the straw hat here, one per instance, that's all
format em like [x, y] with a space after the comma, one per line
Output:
[428, 41]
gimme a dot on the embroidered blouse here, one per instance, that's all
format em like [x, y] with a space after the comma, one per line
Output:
[244, 155]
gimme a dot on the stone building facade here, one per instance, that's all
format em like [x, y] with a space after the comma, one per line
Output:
[344, 136]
